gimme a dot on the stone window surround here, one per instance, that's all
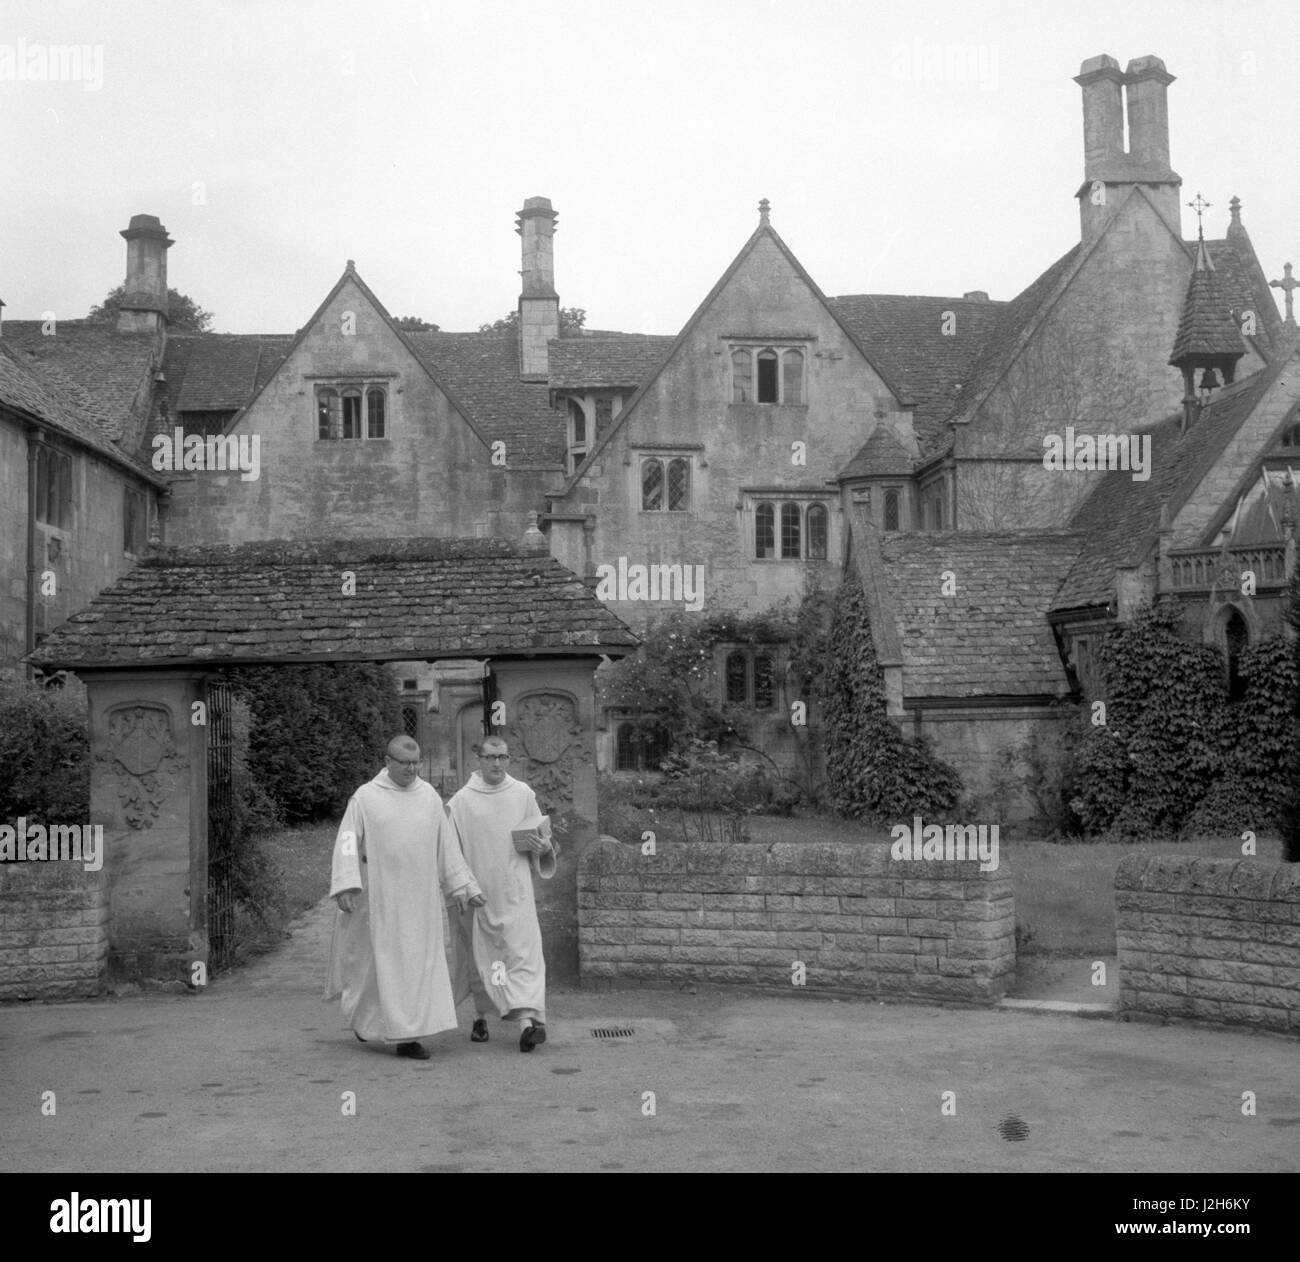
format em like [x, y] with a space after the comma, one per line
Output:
[364, 384]
[725, 650]
[778, 345]
[778, 498]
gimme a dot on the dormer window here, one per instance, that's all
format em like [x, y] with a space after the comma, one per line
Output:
[767, 374]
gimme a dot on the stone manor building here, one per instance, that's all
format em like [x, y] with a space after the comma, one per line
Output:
[1006, 477]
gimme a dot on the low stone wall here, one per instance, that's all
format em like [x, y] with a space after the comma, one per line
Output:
[53, 935]
[854, 918]
[1209, 939]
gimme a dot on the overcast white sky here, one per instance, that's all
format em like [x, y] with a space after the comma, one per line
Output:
[406, 133]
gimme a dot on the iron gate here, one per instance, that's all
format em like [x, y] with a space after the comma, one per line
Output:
[221, 828]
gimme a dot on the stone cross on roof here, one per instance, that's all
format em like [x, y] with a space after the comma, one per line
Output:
[1286, 285]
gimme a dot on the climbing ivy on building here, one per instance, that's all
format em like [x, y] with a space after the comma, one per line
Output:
[1171, 752]
[873, 770]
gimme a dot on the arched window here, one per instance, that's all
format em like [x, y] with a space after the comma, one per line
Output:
[374, 414]
[652, 485]
[767, 387]
[1236, 639]
[792, 377]
[736, 676]
[679, 485]
[790, 531]
[765, 531]
[742, 377]
[764, 683]
[891, 510]
[816, 532]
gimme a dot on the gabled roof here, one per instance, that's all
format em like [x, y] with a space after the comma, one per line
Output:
[480, 372]
[1117, 519]
[992, 637]
[278, 601]
[605, 361]
[764, 230]
[98, 370]
[25, 388]
[220, 372]
[1015, 324]
[882, 453]
[905, 333]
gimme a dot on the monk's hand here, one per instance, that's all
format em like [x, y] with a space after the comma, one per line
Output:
[538, 844]
[347, 900]
[478, 901]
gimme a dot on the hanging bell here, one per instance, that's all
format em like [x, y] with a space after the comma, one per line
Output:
[1209, 381]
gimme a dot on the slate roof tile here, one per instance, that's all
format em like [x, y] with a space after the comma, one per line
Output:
[992, 637]
[227, 604]
[906, 334]
[607, 360]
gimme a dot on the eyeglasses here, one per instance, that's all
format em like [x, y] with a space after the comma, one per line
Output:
[402, 762]
[494, 757]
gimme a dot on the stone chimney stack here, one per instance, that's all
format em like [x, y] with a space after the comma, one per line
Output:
[539, 304]
[1145, 84]
[1109, 171]
[1103, 114]
[144, 297]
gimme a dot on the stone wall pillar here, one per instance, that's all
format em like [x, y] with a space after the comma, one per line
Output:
[550, 726]
[148, 788]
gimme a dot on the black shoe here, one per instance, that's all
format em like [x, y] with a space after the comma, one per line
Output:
[532, 1036]
[413, 1051]
[479, 1034]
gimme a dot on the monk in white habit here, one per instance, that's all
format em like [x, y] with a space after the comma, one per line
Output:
[393, 866]
[498, 947]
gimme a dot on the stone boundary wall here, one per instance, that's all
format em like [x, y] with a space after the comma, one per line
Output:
[53, 941]
[856, 919]
[1209, 939]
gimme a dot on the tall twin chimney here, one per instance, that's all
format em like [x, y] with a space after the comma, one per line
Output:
[144, 296]
[539, 304]
[1107, 165]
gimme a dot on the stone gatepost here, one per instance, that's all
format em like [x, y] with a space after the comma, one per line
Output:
[148, 788]
[550, 718]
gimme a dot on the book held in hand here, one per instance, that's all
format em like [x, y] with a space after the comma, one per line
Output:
[539, 825]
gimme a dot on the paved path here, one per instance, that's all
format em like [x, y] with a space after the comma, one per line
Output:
[251, 1076]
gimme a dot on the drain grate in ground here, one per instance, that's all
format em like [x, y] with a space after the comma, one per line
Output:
[1012, 1129]
[613, 1032]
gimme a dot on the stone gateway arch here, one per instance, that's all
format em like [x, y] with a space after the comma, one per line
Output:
[148, 648]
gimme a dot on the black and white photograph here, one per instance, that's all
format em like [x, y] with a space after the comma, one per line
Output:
[687, 587]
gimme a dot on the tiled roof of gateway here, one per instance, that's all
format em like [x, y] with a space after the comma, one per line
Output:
[610, 359]
[992, 638]
[280, 601]
[881, 453]
[1206, 326]
[1117, 518]
[99, 371]
[906, 334]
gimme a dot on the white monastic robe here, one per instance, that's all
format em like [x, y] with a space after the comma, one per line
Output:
[507, 937]
[387, 958]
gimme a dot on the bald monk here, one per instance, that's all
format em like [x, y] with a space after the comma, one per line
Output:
[392, 867]
[498, 947]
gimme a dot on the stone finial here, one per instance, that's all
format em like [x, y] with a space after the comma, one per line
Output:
[534, 539]
[352, 266]
[764, 210]
[1234, 207]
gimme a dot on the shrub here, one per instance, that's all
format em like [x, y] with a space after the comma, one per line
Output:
[44, 751]
[873, 770]
[317, 731]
